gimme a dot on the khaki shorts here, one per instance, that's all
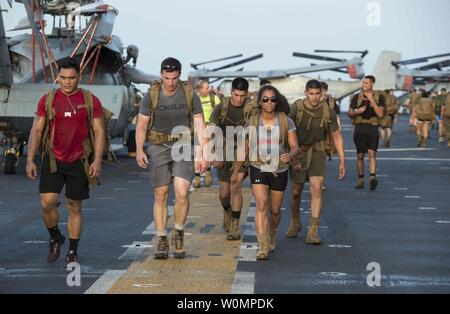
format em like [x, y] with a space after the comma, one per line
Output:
[224, 173]
[163, 175]
[317, 168]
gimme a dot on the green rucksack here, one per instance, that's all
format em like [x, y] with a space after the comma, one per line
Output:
[300, 110]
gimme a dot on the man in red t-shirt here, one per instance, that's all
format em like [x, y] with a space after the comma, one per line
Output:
[71, 128]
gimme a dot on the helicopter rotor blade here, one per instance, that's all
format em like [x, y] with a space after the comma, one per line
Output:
[315, 57]
[334, 70]
[438, 65]
[258, 56]
[196, 65]
[363, 53]
[421, 60]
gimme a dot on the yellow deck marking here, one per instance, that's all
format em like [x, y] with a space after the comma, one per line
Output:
[211, 261]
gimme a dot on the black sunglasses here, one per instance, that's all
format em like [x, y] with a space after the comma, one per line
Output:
[170, 68]
[266, 99]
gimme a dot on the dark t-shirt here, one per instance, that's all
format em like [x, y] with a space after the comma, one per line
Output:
[315, 133]
[172, 111]
[235, 116]
[369, 113]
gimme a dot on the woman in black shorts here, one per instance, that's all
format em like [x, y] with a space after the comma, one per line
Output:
[271, 150]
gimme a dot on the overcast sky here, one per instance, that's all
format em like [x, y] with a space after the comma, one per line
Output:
[199, 30]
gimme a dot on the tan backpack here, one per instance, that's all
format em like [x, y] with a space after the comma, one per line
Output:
[375, 121]
[425, 109]
[328, 145]
[158, 138]
[392, 105]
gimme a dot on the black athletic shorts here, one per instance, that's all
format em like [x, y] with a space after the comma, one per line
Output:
[71, 175]
[275, 183]
[366, 137]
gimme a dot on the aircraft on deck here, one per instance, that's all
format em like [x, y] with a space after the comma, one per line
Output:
[291, 83]
[28, 65]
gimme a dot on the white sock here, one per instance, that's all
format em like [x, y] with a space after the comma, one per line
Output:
[161, 233]
[179, 227]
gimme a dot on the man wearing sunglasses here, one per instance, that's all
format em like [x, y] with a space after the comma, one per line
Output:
[169, 104]
[317, 125]
[230, 113]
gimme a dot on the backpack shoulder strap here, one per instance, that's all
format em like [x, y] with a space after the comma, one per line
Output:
[49, 98]
[49, 115]
[253, 119]
[360, 100]
[377, 95]
[284, 129]
[212, 100]
[89, 100]
[331, 102]
[224, 111]
[155, 88]
[325, 115]
[153, 92]
[250, 107]
[47, 141]
[300, 106]
[189, 94]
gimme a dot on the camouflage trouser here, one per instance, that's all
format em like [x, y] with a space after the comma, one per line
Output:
[447, 127]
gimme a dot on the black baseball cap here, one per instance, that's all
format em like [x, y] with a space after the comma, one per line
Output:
[170, 64]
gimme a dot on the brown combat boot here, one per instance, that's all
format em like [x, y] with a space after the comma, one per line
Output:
[419, 140]
[373, 183]
[208, 178]
[162, 248]
[235, 232]
[272, 240]
[424, 142]
[226, 220]
[177, 240]
[360, 184]
[263, 252]
[196, 183]
[295, 227]
[312, 237]
[388, 142]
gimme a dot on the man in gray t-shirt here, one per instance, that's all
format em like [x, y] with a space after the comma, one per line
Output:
[172, 111]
